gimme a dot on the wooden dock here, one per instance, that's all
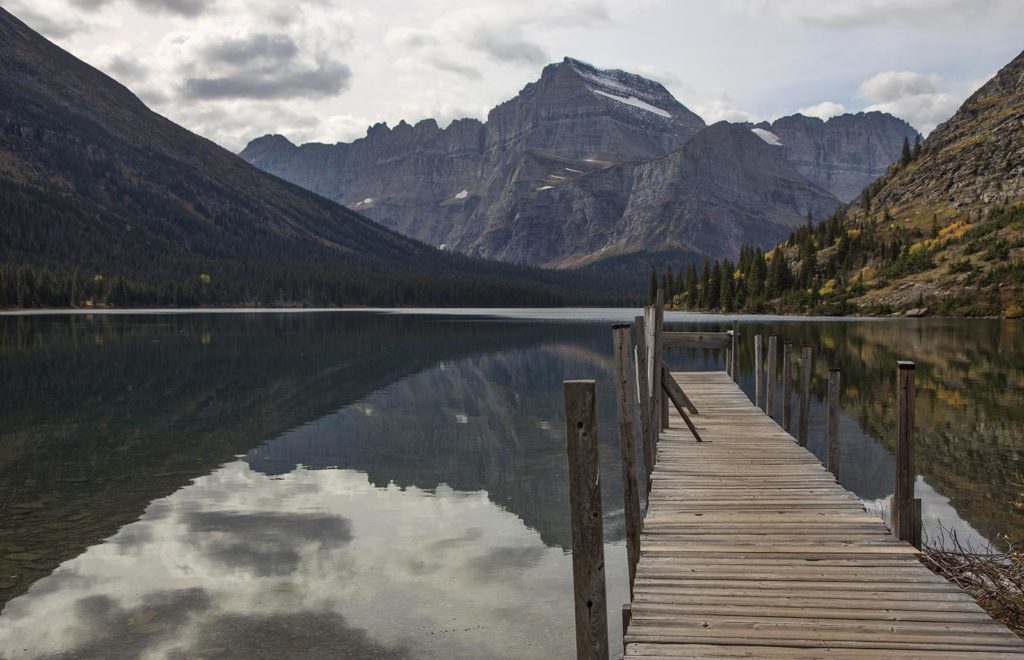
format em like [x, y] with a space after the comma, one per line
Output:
[749, 548]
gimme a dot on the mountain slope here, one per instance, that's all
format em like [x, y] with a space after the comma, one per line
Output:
[547, 178]
[95, 186]
[941, 233]
[847, 152]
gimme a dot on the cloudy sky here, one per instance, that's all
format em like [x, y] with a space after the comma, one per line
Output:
[324, 70]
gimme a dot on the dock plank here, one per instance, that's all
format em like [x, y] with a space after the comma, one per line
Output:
[751, 549]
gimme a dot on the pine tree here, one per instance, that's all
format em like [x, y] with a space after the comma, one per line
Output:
[728, 292]
[715, 286]
[917, 146]
[905, 155]
[691, 287]
[779, 277]
[652, 291]
[705, 285]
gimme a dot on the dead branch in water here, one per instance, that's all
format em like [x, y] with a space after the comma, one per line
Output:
[994, 577]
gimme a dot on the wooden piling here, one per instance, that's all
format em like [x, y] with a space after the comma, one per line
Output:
[787, 386]
[623, 342]
[915, 510]
[833, 421]
[758, 372]
[771, 375]
[587, 521]
[646, 439]
[805, 392]
[903, 497]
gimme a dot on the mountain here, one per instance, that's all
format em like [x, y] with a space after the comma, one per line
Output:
[845, 153]
[942, 232]
[104, 200]
[549, 177]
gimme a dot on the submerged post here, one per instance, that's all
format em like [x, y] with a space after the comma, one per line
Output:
[644, 399]
[833, 422]
[587, 523]
[771, 375]
[627, 445]
[903, 497]
[805, 392]
[787, 386]
[758, 372]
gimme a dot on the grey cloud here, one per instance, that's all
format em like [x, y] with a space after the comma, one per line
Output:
[501, 47]
[259, 559]
[103, 617]
[273, 526]
[190, 8]
[505, 564]
[125, 68]
[307, 634]
[46, 24]
[90, 4]
[326, 79]
[463, 70]
[242, 50]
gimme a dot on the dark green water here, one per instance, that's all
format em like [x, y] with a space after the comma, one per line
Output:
[378, 485]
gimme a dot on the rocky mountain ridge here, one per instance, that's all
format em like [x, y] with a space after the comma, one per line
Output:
[556, 176]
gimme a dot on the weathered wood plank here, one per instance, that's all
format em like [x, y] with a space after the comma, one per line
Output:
[750, 548]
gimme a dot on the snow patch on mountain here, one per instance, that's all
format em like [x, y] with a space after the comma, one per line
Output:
[462, 194]
[636, 103]
[767, 136]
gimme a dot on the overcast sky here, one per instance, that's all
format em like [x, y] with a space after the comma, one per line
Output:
[324, 70]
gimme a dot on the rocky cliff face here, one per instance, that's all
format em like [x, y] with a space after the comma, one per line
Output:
[973, 161]
[570, 171]
[844, 154]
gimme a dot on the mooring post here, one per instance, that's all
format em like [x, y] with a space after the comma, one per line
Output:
[733, 371]
[587, 522]
[805, 392]
[916, 527]
[758, 372]
[650, 331]
[728, 362]
[833, 422]
[903, 497]
[627, 616]
[622, 342]
[787, 386]
[645, 401]
[771, 375]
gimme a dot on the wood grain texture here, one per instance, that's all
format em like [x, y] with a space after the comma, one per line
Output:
[646, 437]
[832, 422]
[588, 574]
[787, 387]
[771, 374]
[751, 549]
[806, 370]
[623, 343]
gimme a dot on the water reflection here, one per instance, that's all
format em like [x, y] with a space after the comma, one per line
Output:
[303, 485]
[315, 563]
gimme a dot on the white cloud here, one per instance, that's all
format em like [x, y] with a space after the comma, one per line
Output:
[916, 97]
[719, 106]
[823, 110]
[919, 14]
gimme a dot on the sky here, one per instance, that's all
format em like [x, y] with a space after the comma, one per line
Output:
[325, 70]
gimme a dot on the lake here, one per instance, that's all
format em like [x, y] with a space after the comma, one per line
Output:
[393, 485]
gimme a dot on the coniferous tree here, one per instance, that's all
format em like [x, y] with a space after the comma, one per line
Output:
[905, 155]
[705, 285]
[917, 147]
[691, 287]
[652, 291]
[728, 291]
[715, 286]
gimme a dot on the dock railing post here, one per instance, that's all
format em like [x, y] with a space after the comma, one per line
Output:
[787, 386]
[833, 422]
[771, 374]
[758, 372]
[734, 356]
[904, 523]
[805, 391]
[644, 399]
[587, 523]
[623, 342]
[661, 409]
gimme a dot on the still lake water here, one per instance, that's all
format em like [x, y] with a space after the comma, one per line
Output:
[359, 484]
